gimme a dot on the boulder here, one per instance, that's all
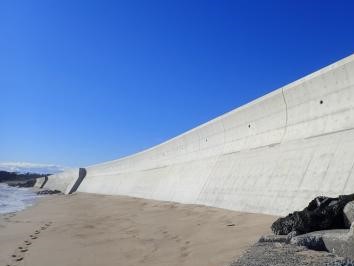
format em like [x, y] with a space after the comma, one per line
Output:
[341, 244]
[315, 240]
[348, 213]
[322, 213]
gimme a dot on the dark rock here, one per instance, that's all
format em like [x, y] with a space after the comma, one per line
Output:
[48, 192]
[322, 213]
[28, 183]
[348, 212]
[13, 176]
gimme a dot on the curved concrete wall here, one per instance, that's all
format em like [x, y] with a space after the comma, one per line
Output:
[271, 156]
[63, 181]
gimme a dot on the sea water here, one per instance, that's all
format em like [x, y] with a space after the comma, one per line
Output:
[14, 199]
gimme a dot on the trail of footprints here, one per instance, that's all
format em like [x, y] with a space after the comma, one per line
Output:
[19, 253]
[184, 245]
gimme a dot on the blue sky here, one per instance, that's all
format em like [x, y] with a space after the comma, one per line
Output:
[83, 82]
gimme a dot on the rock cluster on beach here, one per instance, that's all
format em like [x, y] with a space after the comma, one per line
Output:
[326, 225]
[48, 192]
[323, 225]
[322, 213]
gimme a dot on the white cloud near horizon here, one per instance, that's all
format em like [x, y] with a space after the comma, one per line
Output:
[26, 167]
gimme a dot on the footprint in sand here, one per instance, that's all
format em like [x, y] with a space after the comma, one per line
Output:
[22, 249]
[185, 251]
[46, 225]
[17, 257]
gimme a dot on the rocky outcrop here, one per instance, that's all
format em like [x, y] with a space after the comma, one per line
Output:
[322, 213]
[28, 183]
[8, 177]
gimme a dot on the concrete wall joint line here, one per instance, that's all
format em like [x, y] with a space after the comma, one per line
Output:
[332, 158]
[208, 177]
[286, 116]
[331, 92]
[330, 133]
[349, 175]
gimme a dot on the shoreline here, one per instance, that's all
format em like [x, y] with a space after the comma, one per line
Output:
[15, 199]
[91, 229]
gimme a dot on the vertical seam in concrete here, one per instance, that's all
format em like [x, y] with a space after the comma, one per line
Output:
[224, 138]
[286, 115]
[198, 199]
[332, 158]
[349, 175]
[306, 169]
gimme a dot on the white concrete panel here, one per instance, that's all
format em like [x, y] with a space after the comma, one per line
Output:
[62, 181]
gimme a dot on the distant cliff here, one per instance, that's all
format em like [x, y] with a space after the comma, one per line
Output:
[18, 179]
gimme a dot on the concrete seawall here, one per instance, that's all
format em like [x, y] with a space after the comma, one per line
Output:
[269, 156]
[67, 181]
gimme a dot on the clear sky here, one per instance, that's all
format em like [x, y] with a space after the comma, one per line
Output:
[83, 82]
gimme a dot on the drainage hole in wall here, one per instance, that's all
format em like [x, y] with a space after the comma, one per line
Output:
[321, 102]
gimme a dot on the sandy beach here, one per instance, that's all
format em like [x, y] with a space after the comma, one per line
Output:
[88, 229]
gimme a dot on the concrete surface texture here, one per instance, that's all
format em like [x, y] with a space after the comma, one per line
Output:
[64, 181]
[270, 156]
[39, 182]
